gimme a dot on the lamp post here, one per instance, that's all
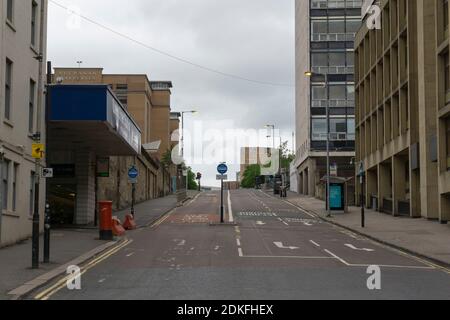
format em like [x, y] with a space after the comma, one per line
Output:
[182, 141]
[310, 74]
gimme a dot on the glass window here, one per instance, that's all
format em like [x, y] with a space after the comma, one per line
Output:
[31, 106]
[319, 129]
[5, 182]
[8, 85]
[33, 22]
[338, 59]
[319, 93]
[353, 26]
[319, 59]
[338, 125]
[14, 186]
[448, 143]
[350, 59]
[338, 92]
[337, 26]
[351, 93]
[10, 10]
[318, 27]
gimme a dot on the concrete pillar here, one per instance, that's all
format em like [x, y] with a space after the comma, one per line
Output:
[384, 183]
[415, 196]
[372, 186]
[85, 202]
[312, 177]
[398, 181]
[444, 205]
[428, 187]
[305, 182]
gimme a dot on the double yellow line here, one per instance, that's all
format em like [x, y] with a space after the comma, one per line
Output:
[49, 292]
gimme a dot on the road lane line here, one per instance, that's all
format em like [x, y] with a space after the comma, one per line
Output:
[130, 254]
[336, 257]
[315, 243]
[284, 222]
[241, 254]
[238, 242]
[289, 257]
[46, 294]
[230, 211]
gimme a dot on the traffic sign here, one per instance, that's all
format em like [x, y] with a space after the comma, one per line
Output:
[222, 168]
[37, 150]
[222, 177]
[133, 174]
[47, 173]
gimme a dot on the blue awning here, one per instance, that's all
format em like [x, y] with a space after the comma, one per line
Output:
[90, 116]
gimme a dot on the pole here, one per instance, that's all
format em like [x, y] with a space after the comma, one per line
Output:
[47, 234]
[363, 217]
[133, 197]
[328, 148]
[182, 135]
[1, 189]
[221, 203]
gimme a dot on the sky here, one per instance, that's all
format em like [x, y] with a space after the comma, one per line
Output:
[251, 39]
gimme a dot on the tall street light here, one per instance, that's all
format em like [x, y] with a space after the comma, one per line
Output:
[272, 126]
[182, 140]
[310, 74]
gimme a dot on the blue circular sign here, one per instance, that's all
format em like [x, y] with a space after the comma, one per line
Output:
[133, 173]
[222, 168]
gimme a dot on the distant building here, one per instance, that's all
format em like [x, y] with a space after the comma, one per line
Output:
[21, 93]
[324, 45]
[253, 156]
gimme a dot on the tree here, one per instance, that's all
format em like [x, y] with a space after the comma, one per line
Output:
[192, 184]
[286, 156]
[250, 174]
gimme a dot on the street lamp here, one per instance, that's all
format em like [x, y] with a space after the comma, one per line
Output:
[182, 141]
[271, 126]
[310, 74]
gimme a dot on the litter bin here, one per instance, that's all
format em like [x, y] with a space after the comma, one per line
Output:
[106, 224]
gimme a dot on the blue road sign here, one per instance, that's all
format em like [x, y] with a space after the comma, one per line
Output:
[222, 168]
[133, 173]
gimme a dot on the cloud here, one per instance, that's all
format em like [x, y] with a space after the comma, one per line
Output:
[252, 38]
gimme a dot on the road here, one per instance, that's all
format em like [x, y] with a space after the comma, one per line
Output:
[275, 251]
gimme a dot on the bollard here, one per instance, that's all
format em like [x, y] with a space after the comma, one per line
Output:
[47, 228]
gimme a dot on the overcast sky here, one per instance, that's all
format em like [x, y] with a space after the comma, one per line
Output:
[253, 39]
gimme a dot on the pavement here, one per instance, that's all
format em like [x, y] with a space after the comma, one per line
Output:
[68, 247]
[421, 237]
[276, 251]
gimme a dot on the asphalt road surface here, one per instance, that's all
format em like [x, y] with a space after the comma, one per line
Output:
[275, 251]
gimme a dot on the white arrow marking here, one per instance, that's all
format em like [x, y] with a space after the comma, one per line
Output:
[260, 223]
[358, 249]
[281, 246]
[182, 243]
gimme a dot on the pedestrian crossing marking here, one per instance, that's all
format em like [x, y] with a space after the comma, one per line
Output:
[258, 214]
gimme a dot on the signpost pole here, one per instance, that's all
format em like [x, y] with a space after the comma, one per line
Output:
[221, 203]
[47, 234]
[363, 217]
[222, 169]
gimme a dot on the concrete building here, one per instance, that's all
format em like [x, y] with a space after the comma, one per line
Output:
[253, 156]
[325, 32]
[403, 110]
[148, 103]
[23, 31]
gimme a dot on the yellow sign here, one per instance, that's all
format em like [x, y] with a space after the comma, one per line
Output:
[38, 150]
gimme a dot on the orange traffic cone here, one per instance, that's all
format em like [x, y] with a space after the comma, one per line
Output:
[118, 230]
[129, 223]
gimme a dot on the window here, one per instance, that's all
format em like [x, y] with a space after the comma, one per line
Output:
[10, 10]
[447, 71]
[319, 129]
[32, 182]
[351, 130]
[338, 92]
[34, 10]
[5, 183]
[445, 12]
[448, 142]
[338, 125]
[8, 85]
[319, 59]
[31, 106]
[14, 186]
[338, 59]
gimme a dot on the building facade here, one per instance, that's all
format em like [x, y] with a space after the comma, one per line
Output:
[325, 32]
[23, 31]
[149, 105]
[403, 108]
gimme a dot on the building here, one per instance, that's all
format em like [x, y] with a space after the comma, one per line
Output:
[253, 156]
[403, 108]
[325, 32]
[148, 103]
[23, 32]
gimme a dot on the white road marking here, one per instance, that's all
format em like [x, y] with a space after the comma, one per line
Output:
[230, 211]
[284, 222]
[130, 254]
[241, 254]
[336, 257]
[238, 242]
[288, 257]
[358, 249]
[216, 248]
[101, 280]
[315, 243]
[182, 243]
[281, 246]
[260, 223]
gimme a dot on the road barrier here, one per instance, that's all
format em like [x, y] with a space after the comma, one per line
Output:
[130, 223]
